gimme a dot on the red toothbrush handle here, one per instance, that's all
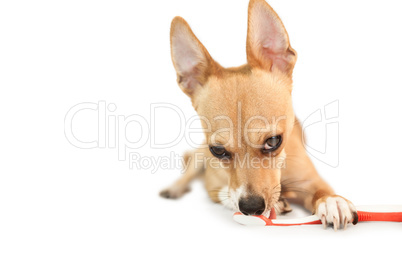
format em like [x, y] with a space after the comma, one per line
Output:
[392, 213]
[379, 216]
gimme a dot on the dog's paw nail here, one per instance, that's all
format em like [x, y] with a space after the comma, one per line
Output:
[336, 223]
[345, 223]
[324, 221]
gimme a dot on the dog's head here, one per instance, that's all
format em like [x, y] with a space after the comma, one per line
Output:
[246, 111]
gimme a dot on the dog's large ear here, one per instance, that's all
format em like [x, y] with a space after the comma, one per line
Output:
[268, 44]
[191, 60]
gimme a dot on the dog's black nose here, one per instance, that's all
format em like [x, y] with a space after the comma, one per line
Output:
[252, 205]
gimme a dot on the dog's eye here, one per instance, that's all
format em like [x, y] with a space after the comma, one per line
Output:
[220, 152]
[271, 144]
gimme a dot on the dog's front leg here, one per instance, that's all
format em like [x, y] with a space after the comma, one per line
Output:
[318, 197]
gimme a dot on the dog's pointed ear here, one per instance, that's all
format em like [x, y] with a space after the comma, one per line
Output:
[268, 44]
[191, 60]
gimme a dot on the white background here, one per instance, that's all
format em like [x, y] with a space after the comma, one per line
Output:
[61, 206]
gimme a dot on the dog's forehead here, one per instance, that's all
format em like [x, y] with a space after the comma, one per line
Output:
[246, 95]
[257, 102]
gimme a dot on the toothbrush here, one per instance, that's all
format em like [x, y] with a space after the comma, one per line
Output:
[390, 213]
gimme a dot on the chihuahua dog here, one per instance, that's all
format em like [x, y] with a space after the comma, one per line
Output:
[253, 159]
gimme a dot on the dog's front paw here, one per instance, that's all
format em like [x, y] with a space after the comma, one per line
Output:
[174, 191]
[336, 210]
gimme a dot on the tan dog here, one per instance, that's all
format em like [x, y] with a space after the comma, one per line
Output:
[254, 158]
